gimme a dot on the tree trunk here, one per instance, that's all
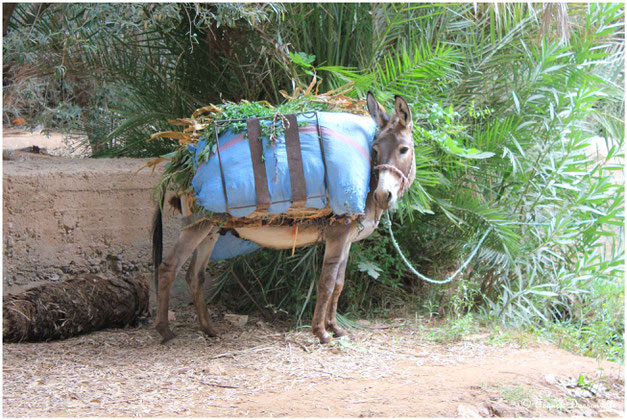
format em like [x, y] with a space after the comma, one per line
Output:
[82, 304]
[7, 12]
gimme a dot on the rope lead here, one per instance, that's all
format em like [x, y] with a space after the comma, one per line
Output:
[388, 223]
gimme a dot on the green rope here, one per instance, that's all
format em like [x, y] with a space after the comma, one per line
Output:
[388, 223]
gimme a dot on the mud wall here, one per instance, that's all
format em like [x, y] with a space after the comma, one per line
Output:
[66, 216]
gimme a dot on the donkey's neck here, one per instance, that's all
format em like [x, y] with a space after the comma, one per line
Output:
[372, 214]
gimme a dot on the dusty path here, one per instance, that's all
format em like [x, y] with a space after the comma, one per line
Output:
[264, 371]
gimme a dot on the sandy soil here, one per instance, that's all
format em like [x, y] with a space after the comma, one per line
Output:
[265, 371]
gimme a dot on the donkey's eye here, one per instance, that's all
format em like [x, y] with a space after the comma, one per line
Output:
[375, 155]
[404, 150]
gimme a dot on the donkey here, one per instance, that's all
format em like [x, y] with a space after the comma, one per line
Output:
[393, 171]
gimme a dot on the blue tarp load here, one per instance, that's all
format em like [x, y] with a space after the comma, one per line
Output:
[346, 142]
[229, 246]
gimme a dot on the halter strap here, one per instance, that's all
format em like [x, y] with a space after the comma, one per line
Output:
[401, 175]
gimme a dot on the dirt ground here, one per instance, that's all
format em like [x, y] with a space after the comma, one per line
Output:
[260, 370]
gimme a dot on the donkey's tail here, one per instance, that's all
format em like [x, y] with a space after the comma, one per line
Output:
[157, 238]
[157, 232]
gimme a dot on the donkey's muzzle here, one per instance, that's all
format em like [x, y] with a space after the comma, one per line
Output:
[384, 198]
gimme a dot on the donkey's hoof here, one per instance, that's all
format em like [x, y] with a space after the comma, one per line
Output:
[325, 338]
[338, 332]
[167, 336]
[209, 331]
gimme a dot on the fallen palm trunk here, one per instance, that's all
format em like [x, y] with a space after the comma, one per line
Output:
[85, 303]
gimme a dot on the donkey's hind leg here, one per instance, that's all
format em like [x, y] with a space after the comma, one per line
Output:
[187, 242]
[196, 277]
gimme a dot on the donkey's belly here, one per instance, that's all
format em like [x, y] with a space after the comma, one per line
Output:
[280, 237]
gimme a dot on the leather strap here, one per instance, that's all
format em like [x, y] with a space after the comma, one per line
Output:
[295, 162]
[259, 167]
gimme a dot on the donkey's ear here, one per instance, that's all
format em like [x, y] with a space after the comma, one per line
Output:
[376, 111]
[402, 111]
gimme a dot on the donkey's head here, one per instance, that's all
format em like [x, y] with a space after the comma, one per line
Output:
[392, 151]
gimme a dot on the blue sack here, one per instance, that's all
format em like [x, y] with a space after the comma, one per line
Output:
[229, 246]
[346, 140]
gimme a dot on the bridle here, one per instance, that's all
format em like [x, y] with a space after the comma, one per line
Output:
[401, 175]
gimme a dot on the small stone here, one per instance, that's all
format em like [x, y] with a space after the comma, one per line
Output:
[53, 277]
[610, 412]
[237, 320]
[484, 411]
[501, 410]
[550, 379]
[10, 242]
[467, 411]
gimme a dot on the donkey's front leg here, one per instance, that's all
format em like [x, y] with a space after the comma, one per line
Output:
[336, 239]
[185, 245]
[331, 319]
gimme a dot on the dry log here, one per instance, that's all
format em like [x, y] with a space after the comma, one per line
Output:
[79, 305]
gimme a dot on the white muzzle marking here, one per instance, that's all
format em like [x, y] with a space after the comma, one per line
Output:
[392, 183]
[388, 186]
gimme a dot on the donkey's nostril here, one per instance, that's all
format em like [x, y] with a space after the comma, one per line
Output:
[383, 197]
